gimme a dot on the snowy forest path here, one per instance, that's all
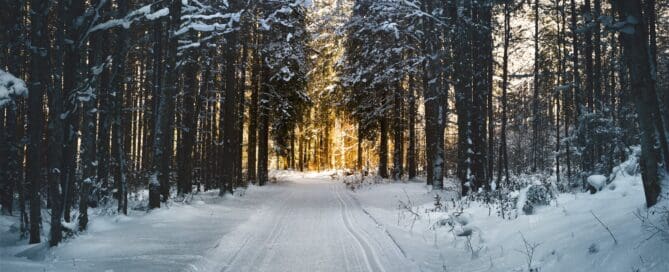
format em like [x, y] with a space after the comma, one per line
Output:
[309, 223]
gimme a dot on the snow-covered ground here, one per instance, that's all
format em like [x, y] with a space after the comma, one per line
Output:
[312, 222]
[566, 235]
[169, 239]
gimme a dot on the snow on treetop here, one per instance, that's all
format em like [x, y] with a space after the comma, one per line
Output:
[10, 86]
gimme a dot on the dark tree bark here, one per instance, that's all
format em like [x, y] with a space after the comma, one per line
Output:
[503, 156]
[38, 85]
[189, 122]
[118, 90]
[482, 13]
[588, 101]
[383, 147]
[653, 144]
[10, 169]
[597, 44]
[10, 175]
[561, 78]
[169, 91]
[239, 129]
[57, 169]
[434, 102]
[230, 115]
[6, 135]
[104, 113]
[159, 123]
[359, 150]
[398, 133]
[89, 128]
[159, 186]
[489, 61]
[535, 95]
[253, 115]
[576, 78]
[463, 95]
[411, 152]
[650, 17]
[263, 136]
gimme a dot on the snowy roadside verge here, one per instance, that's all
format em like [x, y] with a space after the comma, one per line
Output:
[565, 235]
[168, 239]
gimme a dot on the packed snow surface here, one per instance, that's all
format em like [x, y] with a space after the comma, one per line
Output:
[313, 222]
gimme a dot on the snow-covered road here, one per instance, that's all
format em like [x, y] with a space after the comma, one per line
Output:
[309, 224]
[305, 222]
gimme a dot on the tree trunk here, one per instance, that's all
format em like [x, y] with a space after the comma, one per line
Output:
[55, 132]
[398, 133]
[253, 118]
[263, 138]
[434, 103]
[230, 115]
[39, 84]
[118, 90]
[463, 97]
[9, 162]
[239, 129]
[643, 83]
[535, 96]
[383, 148]
[89, 128]
[411, 152]
[503, 157]
[189, 123]
[576, 80]
[104, 113]
[160, 98]
[359, 150]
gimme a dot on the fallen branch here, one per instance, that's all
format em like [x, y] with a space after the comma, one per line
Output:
[615, 241]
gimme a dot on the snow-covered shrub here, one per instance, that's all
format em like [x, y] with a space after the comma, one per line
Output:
[10, 87]
[408, 212]
[458, 223]
[356, 181]
[353, 182]
[597, 182]
[438, 206]
[631, 166]
[505, 203]
[537, 195]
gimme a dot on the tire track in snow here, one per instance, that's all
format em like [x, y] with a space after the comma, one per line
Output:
[398, 250]
[271, 238]
[236, 254]
[268, 251]
[357, 261]
[370, 256]
[385, 231]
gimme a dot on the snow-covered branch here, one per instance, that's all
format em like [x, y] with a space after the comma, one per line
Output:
[143, 13]
[10, 87]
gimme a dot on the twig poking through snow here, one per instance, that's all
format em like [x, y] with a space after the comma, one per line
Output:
[530, 249]
[615, 241]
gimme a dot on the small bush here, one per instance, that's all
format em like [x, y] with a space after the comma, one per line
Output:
[537, 195]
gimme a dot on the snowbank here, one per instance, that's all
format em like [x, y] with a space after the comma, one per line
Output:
[565, 235]
[167, 239]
